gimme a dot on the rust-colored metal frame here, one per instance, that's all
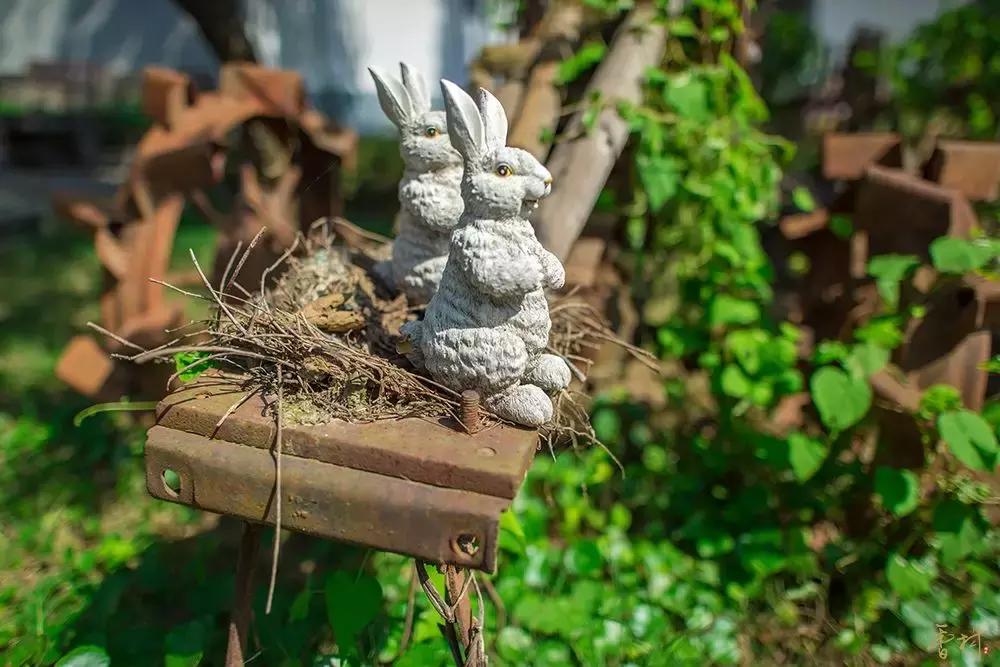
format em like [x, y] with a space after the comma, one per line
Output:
[411, 486]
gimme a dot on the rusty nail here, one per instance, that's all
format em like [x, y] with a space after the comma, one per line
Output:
[470, 410]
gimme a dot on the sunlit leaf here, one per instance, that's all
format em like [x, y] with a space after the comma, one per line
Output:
[969, 438]
[898, 489]
[842, 400]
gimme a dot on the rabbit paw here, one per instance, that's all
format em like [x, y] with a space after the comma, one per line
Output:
[548, 372]
[552, 270]
[523, 404]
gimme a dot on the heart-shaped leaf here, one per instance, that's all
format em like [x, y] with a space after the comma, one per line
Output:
[970, 439]
[805, 455]
[955, 255]
[841, 400]
[909, 578]
[898, 489]
[352, 602]
[867, 358]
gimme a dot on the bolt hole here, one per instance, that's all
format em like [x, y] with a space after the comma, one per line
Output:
[465, 544]
[171, 482]
[965, 296]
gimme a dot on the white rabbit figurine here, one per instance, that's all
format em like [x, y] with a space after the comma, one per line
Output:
[430, 191]
[487, 326]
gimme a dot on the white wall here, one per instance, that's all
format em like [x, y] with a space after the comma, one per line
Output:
[330, 41]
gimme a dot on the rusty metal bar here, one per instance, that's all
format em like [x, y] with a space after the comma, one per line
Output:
[437, 524]
[239, 622]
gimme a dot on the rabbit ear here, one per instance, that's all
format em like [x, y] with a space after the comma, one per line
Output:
[494, 120]
[392, 97]
[416, 87]
[465, 126]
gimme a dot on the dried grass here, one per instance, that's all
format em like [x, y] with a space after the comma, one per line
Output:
[265, 341]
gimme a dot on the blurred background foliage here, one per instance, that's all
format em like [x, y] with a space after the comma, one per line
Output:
[718, 541]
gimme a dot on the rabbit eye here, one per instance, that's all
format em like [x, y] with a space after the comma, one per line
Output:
[504, 170]
[432, 132]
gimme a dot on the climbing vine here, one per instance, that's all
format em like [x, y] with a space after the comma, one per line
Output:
[819, 509]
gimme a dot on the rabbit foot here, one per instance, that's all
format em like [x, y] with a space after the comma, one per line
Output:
[524, 404]
[548, 372]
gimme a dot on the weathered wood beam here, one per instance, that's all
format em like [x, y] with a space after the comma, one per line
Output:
[580, 166]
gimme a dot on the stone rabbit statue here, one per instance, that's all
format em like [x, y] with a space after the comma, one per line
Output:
[430, 191]
[488, 325]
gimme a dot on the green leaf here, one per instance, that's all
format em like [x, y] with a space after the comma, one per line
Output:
[682, 26]
[187, 364]
[688, 96]
[992, 366]
[866, 359]
[908, 578]
[510, 527]
[955, 526]
[119, 406]
[659, 176]
[586, 57]
[883, 330]
[889, 271]
[803, 199]
[955, 255]
[734, 382]
[85, 656]
[351, 604]
[299, 610]
[938, 399]
[841, 226]
[184, 645]
[805, 455]
[842, 400]
[607, 425]
[829, 351]
[725, 310]
[583, 558]
[970, 439]
[899, 490]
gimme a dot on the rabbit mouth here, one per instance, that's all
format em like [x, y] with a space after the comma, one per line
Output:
[531, 204]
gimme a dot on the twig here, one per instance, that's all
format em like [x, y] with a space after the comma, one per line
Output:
[243, 260]
[491, 593]
[222, 306]
[277, 507]
[285, 255]
[411, 604]
[98, 328]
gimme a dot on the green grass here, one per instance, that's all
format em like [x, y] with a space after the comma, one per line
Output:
[88, 556]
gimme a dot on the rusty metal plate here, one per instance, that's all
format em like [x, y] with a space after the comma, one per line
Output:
[847, 156]
[904, 214]
[493, 461]
[333, 502]
[971, 167]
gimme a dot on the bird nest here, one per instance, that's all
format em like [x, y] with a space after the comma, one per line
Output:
[323, 337]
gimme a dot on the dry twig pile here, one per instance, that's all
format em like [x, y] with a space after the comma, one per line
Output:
[327, 332]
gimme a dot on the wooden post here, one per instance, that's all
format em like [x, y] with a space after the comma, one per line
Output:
[580, 166]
